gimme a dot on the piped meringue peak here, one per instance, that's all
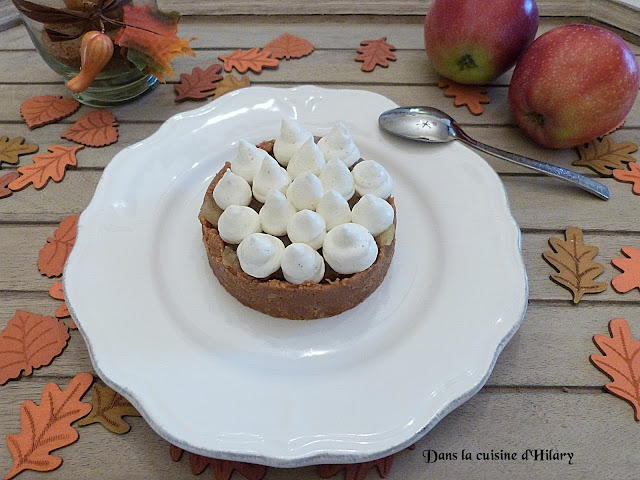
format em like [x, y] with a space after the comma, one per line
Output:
[349, 248]
[306, 158]
[334, 209]
[338, 143]
[275, 213]
[301, 263]
[232, 190]
[371, 177]
[336, 176]
[259, 254]
[373, 213]
[305, 191]
[270, 176]
[292, 136]
[247, 161]
[238, 222]
[307, 227]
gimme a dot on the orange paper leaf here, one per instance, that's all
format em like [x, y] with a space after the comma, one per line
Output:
[108, 409]
[47, 427]
[62, 311]
[230, 83]
[222, 469]
[357, 471]
[621, 362]
[199, 83]
[95, 129]
[54, 254]
[603, 156]
[29, 341]
[630, 266]
[252, 59]
[632, 176]
[288, 46]
[473, 96]
[5, 180]
[38, 111]
[46, 166]
[11, 149]
[374, 53]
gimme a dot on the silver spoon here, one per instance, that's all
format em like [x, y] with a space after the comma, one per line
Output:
[434, 126]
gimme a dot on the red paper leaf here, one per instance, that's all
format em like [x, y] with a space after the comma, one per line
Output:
[374, 53]
[252, 59]
[53, 255]
[95, 129]
[632, 176]
[621, 362]
[630, 278]
[47, 427]
[5, 180]
[30, 341]
[222, 469]
[46, 166]
[288, 46]
[199, 83]
[473, 96]
[38, 111]
[357, 471]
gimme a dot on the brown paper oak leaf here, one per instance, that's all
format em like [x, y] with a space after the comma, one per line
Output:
[574, 262]
[198, 84]
[630, 176]
[621, 362]
[108, 409]
[253, 59]
[44, 109]
[95, 129]
[30, 341]
[222, 469]
[357, 471]
[5, 180]
[11, 149]
[374, 53]
[53, 255]
[630, 267]
[47, 427]
[230, 83]
[604, 156]
[473, 96]
[45, 167]
[288, 46]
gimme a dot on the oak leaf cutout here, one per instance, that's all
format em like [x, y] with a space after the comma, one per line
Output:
[95, 129]
[253, 59]
[53, 255]
[230, 83]
[55, 291]
[357, 471]
[30, 341]
[630, 266]
[605, 155]
[374, 53]
[198, 84]
[5, 180]
[629, 176]
[108, 409]
[222, 469]
[45, 109]
[11, 149]
[574, 262]
[473, 96]
[47, 427]
[621, 362]
[288, 46]
[45, 167]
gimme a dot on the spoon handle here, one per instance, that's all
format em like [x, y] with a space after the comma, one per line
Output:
[570, 176]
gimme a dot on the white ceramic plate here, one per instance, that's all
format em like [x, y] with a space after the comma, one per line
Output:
[221, 380]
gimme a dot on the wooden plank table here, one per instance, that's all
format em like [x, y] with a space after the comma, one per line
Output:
[543, 393]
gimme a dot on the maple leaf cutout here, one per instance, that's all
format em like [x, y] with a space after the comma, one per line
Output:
[53, 255]
[621, 362]
[603, 156]
[45, 167]
[574, 262]
[289, 46]
[473, 96]
[108, 409]
[5, 180]
[253, 59]
[630, 176]
[44, 109]
[11, 149]
[230, 83]
[199, 83]
[374, 53]
[95, 129]
[630, 278]
[47, 427]
[30, 341]
[358, 471]
[55, 291]
[222, 469]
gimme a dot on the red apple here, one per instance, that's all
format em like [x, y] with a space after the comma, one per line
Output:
[475, 41]
[573, 84]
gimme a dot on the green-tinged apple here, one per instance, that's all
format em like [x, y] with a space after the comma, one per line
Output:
[573, 84]
[476, 41]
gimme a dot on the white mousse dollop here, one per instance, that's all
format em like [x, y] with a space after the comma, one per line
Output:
[334, 209]
[307, 158]
[349, 248]
[301, 263]
[292, 136]
[373, 213]
[336, 176]
[305, 191]
[238, 222]
[275, 213]
[270, 176]
[338, 143]
[247, 161]
[232, 190]
[260, 254]
[371, 177]
[307, 227]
